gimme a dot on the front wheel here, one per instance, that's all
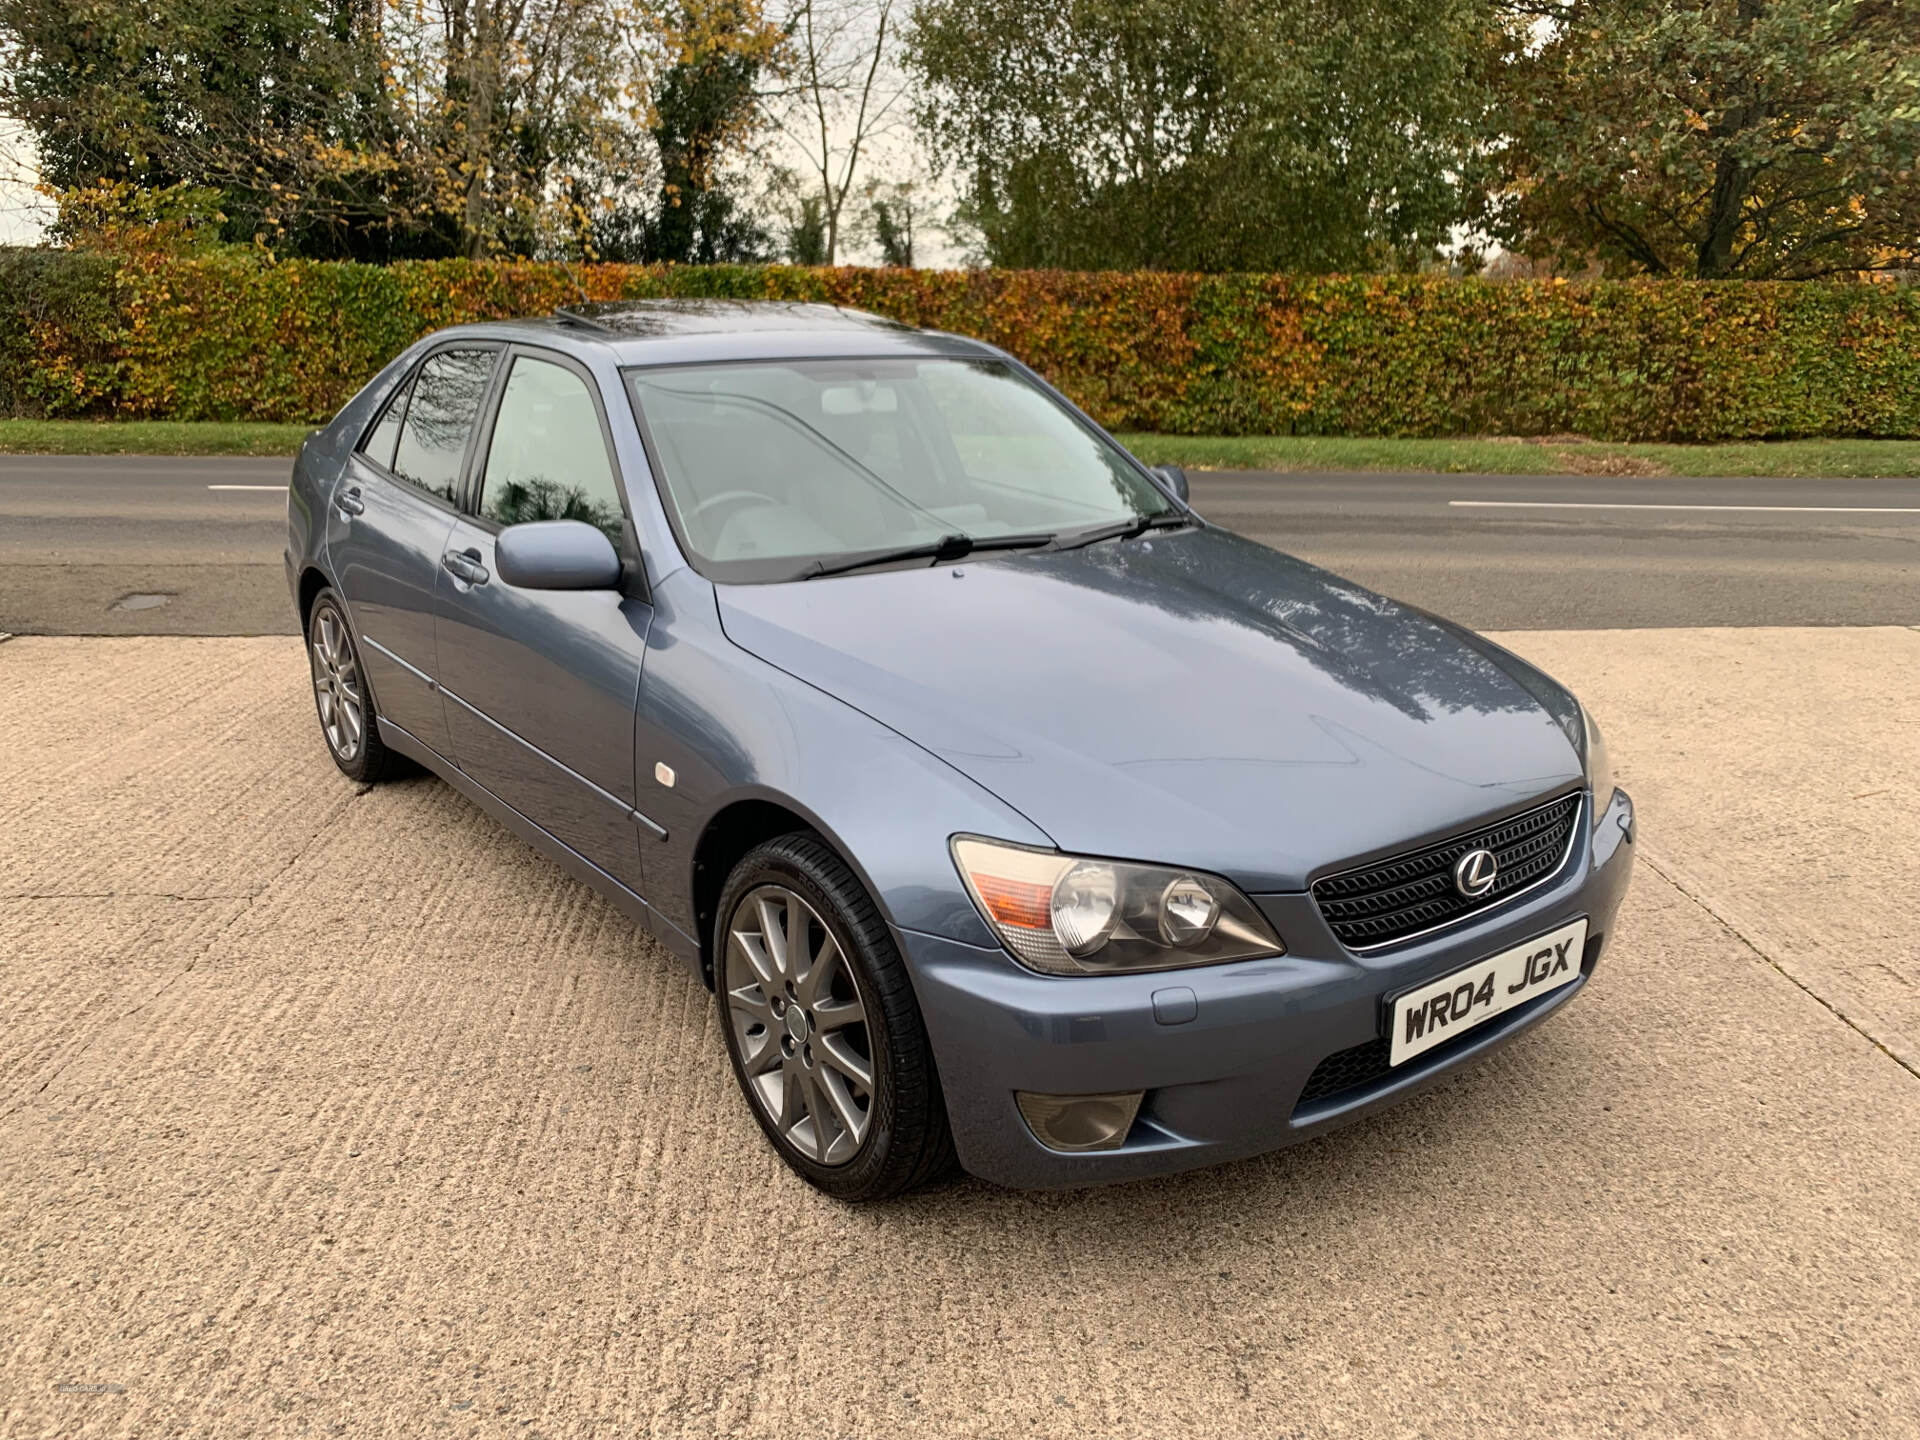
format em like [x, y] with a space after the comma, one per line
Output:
[822, 1026]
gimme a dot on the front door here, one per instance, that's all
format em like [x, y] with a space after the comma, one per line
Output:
[540, 685]
[388, 521]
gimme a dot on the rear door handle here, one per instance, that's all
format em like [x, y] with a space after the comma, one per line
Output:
[349, 502]
[465, 565]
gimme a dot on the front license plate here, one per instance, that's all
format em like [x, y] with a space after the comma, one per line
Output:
[1443, 1008]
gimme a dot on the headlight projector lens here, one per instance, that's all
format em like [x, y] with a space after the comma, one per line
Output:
[1086, 901]
[1187, 912]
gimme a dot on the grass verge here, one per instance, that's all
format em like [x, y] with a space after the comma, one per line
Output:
[148, 437]
[1495, 456]
[1551, 456]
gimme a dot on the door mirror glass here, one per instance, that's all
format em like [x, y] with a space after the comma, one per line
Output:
[1176, 479]
[556, 555]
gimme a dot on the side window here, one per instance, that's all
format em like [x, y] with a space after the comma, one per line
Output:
[446, 397]
[547, 459]
[378, 445]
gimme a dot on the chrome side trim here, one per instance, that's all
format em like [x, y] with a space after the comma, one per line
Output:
[413, 670]
[658, 831]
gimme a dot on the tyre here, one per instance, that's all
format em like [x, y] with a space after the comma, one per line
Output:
[822, 1026]
[341, 697]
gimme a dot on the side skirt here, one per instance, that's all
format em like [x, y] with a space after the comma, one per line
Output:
[569, 859]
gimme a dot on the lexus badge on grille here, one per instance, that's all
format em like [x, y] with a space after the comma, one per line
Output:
[1474, 873]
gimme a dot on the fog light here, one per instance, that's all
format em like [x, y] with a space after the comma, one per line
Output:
[1079, 1122]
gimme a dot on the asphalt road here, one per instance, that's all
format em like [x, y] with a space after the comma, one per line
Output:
[1531, 552]
[79, 535]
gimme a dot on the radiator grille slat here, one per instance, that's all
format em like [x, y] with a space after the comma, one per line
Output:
[1391, 899]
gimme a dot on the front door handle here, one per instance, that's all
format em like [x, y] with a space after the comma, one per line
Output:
[465, 565]
[349, 502]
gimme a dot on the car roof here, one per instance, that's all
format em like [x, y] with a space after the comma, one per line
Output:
[673, 332]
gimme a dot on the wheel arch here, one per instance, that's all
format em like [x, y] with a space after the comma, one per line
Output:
[312, 582]
[730, 834]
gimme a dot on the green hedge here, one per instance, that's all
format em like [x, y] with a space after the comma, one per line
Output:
[232, 339]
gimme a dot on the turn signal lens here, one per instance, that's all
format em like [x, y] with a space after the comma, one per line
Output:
[1065, 915]
[1016, 902]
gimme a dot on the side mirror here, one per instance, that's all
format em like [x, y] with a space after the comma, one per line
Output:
[556, 555]
[1176, 479]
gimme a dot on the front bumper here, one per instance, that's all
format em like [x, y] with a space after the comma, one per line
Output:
[1226, 1082]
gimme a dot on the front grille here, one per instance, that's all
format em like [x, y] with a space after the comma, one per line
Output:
[1406, 894]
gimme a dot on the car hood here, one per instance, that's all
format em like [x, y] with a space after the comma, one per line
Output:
[1192, 697]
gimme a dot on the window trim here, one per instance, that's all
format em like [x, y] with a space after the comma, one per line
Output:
[631, 561]
[387, 472]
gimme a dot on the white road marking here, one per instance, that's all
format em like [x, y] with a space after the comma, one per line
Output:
[1621, 505]
[246, 487]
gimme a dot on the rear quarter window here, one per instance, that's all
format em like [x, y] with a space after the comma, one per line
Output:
[379, 441]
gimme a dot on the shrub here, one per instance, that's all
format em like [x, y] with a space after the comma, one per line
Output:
[242, 338]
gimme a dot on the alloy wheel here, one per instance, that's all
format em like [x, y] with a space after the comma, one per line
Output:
[336, 684]
[800, 1025]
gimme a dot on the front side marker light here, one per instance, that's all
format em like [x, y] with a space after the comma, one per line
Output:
[1599, 767]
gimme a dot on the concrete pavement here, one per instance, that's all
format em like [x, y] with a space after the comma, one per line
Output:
[329, 1110]
[80, 534]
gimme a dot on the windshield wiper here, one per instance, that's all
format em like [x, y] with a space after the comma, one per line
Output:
[1127, 529]
[947, 547]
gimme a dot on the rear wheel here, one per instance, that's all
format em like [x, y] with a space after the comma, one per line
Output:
[822, 1026]
[341, 697]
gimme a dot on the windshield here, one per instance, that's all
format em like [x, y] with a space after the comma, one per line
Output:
[775, 470]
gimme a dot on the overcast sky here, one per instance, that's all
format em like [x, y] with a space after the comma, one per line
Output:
[23, 213]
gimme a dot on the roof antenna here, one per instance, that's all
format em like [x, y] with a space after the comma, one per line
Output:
[585, 322]
[575, 317]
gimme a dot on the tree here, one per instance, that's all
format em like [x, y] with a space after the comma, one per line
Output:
[496, 105]
[1204, 134]
[891, 210]
[1765, 139]
[271, 103]
[703, 106]
[807, 234]
[843, 92]
[382, 129]
[885, 220]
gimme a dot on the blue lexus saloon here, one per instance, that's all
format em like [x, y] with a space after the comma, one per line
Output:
[1017, 817]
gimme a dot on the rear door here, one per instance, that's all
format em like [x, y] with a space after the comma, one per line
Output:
[541, 685]
[388, 524]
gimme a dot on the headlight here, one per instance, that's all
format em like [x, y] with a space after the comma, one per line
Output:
[1065, 915]
[1599, 766]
